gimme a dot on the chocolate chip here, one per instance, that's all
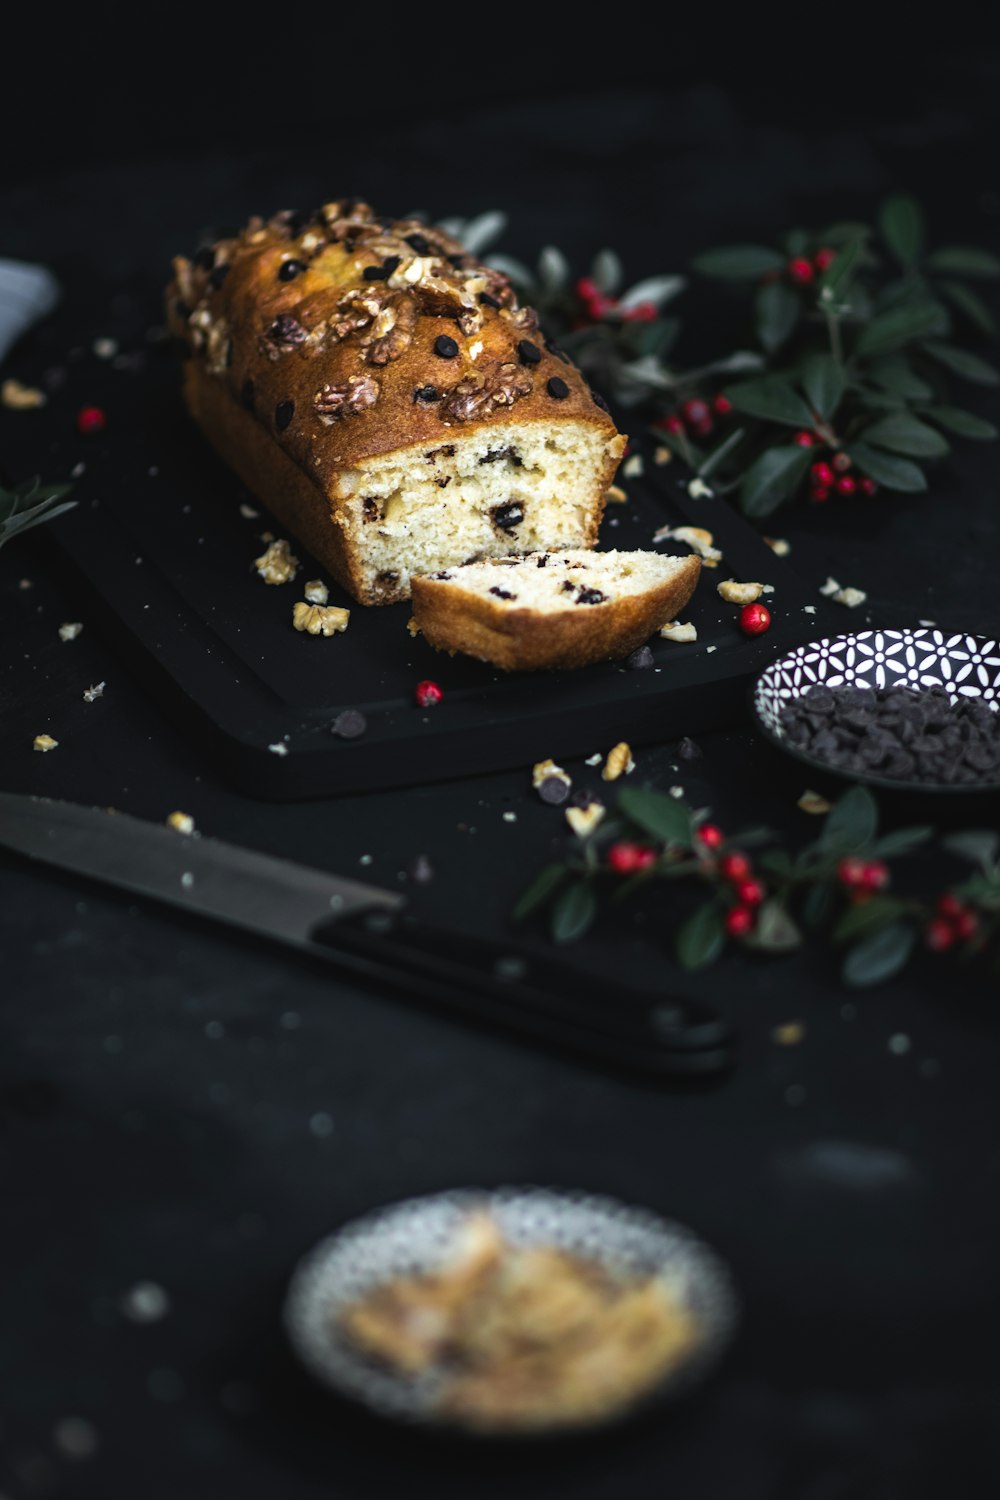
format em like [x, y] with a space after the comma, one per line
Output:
[510, 454]
[425, 393]
[557, 389]
[543, 561]
[553, 790]
[289, 269]
[246, 394]
[568, 587]
[643, 657]
[502, 593]
[591, 596]
[375, 273]
[487, 301]
[445, 347]
[349, 724]
[528, 353]
[283, 414]
[419, 243]
[508, 516]
[218, 276]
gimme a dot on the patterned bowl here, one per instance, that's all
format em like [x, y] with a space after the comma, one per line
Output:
[417, 1235]
[966, 666]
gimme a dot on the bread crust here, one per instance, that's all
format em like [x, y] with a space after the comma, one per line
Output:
[300, 379]
[452, 619]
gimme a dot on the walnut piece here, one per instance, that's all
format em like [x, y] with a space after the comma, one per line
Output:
[44, 742]
[391, 331]
[739, 593]
[778, 545]
[20, 397]
[616, 495]
[285, 333]
[319, 619]
[544, 769]
[278, 564]
[476, 395]
[181, 821]
[583, 820]
[316, 591]
[618, 763]
[356, 394]
[696, 537]
[811, 802]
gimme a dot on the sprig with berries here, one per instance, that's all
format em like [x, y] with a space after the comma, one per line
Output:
[840, 887]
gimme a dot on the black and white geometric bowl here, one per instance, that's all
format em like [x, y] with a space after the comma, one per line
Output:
[418, 1235]
[966, 666]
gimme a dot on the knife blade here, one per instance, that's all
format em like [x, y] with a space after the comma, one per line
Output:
[369, 932]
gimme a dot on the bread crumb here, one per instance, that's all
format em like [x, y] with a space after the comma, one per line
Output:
[594, 760]
[92, 693]
[850, 597]
[699, 490]
[618, 763]
[583, 820]
[543, 769]
[676, 792]
[675, 631]
[812, 802]
[616, 495]
[278, 749]
[788, 1034]
[277, 564]
[412, 626]
[696, 537]
[316, 591]
[829, 588]
[181, 821]
[633, 466]
[44, 742]
[70, 631]
[509, 817]
[248, 513]
[319, 619]
[21, 397]
[778, 545]
[739, 593]
[662, 455]
[808, 609]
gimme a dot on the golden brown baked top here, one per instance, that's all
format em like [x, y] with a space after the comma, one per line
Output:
[368, 335]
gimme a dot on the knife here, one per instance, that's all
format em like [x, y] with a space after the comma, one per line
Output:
[369, 933]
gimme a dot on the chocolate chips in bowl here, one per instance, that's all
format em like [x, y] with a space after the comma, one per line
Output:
[913, 710]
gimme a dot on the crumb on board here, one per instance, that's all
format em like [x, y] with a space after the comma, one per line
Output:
[662, 455]
[412, 626]
[811, 802]
[70, 630]
[583, 820]
[849, 597]
[181, 822]
[320, 619]
[95, 691]
[739, 593]
[278, 749]
[544, 770]
[615, 495]
[788, 1034]
[44, 742]
[633, 466]
[618, 763]
[676, 631]
[698, 538]
[19, 397]
[316, 591]
[778, 545]
[278, 564]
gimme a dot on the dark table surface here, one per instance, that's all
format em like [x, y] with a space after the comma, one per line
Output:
[184, 1107]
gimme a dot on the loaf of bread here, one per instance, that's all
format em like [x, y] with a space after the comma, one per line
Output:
[553, 609]
[387, 398]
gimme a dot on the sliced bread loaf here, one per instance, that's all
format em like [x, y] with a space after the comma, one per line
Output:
[552, 609]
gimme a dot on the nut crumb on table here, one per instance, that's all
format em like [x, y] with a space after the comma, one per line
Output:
[70, 631]
[182, 822]
[278, 564]
[618, 763]
[676, 631]
[19, 397]
[739, 593]
[320, 619]
[44, 742]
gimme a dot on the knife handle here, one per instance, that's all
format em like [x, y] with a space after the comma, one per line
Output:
[520, 989]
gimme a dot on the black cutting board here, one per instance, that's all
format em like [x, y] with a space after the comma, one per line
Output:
[160, 536]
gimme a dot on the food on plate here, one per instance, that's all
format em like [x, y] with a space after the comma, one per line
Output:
[552, 609]
[387, 397]
[524, 1336]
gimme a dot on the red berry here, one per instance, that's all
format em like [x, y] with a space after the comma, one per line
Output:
[645, 858]
[586, 289]
[874, 875]
[801, 270]
[841, 463]
[722, 406]
[734, 866]
[755, 619]
[642, 312]
[803, 439]
[949, 906]
[867, 486]
[90, 419]
[965, 925]
[819, 494]
[851, 871]
[703, 429]
[846, 485]
[822, 473]
[750, 892]
[711, 835]
[739, 921]
[824, 258]
[696, 411]
[428, 693]
[673, 424]
[939, 935]
[623, 857]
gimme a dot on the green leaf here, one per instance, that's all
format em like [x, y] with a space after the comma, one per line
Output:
[772, 478]
[656, 338]
[818, 905]
[538, 892]
[823, 383]
[880, 956]
[961, 362]
[904, 324]
[775, 932]
[841, 232]
[868, 917]
[553, 270]
[666, 818]
[964, 260]
[893, 473]
[573, 912]
[606, 271]
[852, 822]
[700, 939]
[972, 305]
[657, 289]
[796, 242]
[901, 221]
[778, 310]
[776, 862]
[903, 433]
[772, 398]
[963, 423]
[978, 845]
[739, 262]
[901, 841]
[894, 373]
[838, 273]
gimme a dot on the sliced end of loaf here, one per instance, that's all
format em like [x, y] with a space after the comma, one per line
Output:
[553, 609]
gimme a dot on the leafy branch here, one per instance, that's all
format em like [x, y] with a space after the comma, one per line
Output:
[30, 504]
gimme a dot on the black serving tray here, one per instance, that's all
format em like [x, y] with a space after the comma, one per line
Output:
[159, 535]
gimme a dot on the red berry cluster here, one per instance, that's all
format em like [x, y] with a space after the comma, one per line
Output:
[952, 923]
[626, 858]
[427, 693]
[833, 477]
[696, 417]
[803, 271]
[90, 419]
[747, 890]
[861, 878]
[597, 305]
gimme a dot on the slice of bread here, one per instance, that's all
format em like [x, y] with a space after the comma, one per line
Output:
[552, 609]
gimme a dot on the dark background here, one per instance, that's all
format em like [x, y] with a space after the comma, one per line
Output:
[160, 1083]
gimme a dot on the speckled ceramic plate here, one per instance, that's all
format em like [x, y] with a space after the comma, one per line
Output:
[966, 666]
[418, 1236]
